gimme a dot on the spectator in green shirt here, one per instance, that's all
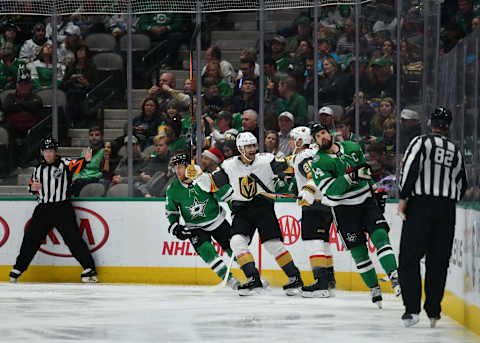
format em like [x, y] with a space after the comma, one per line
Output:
[291, 101]
[8, 66]
[279, 53]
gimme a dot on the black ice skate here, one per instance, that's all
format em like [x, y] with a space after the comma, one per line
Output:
[393, 276]
[89, 276]
[293, 285]
[376, 295]
[252, 286]
[410, 319]
[319, 289]
[434, 320]
[14, 275]
[332, 283]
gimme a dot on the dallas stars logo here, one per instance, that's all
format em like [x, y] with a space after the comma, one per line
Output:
[198, 208]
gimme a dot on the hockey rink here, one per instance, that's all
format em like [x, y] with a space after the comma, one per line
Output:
[141, 313]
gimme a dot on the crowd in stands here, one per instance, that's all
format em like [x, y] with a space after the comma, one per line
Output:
[230, 98]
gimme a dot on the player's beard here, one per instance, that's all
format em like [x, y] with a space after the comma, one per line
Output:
[326, 144]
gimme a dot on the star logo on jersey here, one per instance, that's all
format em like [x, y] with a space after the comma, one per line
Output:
[198, 208]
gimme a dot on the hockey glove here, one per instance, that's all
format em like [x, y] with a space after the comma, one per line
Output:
[193, 171]
[306, 196]
[360, 172]
[179, 231]
[381, 196]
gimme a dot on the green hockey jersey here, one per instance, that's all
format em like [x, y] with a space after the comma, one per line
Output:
[328, 172]
[199, 209]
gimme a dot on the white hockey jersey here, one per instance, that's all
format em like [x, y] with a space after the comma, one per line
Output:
[243, 177]
[301, 164]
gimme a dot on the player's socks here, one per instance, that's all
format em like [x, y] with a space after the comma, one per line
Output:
[247, 264]
[364, 265]
[385, 253]
[209, 255]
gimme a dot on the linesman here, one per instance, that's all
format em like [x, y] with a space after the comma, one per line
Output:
[51, 182]
[432, 180]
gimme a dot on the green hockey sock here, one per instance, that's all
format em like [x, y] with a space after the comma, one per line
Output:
[208, 253]
[364, 265]
[385, 253]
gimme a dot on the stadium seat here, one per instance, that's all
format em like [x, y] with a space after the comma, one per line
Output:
[100, 42]
[92, 190]
[118, 191]
[140, 42]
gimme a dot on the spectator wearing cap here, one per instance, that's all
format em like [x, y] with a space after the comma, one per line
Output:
[72, 42]
[80, 78]
[10, 36]
[139, 161]
[326, 117]
[32, 47]
[279, 54]
[304, 32]
[380, 80]
[214, 54]
[332, 85]
[223, 130]
[409, 127]
[41, 69]
[346, 40]
[211, 159]
[63, 22]
[23, 110]
[248, 97]
[285, 124]
[8, 66]
[291, 101]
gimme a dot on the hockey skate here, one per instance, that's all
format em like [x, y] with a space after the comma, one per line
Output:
[410, 319]
[252, 286]
[14, 275]
[332, 283]
[233, 283]
[433, 321]
[376, 295]
[293, 285]
[393, 276]
[319, 289]
[89, 276]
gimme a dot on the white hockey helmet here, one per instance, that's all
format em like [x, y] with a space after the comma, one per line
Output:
[303, 133]
[245, 138]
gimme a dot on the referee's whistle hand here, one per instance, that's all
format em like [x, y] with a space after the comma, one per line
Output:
[402, 208]
[36, 186]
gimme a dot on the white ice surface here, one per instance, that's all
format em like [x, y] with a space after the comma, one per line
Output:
[31, 313]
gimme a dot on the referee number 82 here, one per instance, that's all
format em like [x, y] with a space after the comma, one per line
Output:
[443, 156]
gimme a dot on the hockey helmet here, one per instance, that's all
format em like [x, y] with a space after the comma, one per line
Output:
[303, 133]
[245, 138]
[441, 117]
[317, 127]
[49, 143]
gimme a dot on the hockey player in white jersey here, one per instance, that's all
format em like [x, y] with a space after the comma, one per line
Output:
[251, 176]
[316, 218]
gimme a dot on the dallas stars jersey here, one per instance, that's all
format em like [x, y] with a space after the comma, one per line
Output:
[302, 163]
[239, 175]
[199, 209]
[328, 172]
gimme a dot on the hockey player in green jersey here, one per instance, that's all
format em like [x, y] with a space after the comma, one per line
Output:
[203, 216]
[343, 177]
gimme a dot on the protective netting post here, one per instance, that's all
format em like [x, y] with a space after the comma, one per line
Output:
[397, 99]
[129, 100]
[357, 67]
[261, 131]
[315, 61]
[198, 42]
[54, 74]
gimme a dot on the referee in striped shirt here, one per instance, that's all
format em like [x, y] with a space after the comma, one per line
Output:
[51, 182]
[432, 180]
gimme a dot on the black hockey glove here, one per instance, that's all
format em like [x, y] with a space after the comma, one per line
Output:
[179, 231]
[360, 172]
[381, 196]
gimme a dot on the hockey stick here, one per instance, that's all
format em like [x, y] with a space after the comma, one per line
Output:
[268, 191]
[227, 274]
[191, 48]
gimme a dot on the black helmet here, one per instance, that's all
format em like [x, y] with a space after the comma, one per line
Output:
[316, 127]
[180, 158]
[441, 117]
[49, 143]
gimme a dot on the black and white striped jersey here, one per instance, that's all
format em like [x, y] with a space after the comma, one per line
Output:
[433, 165]
[56, 179]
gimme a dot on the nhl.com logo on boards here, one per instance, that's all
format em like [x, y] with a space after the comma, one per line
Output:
[93, 228]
